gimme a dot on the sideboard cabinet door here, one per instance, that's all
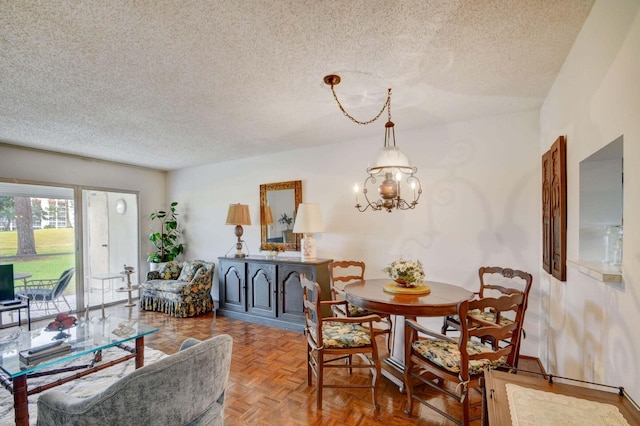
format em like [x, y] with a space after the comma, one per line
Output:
[232, 285]
[291, 306]
[261, 294]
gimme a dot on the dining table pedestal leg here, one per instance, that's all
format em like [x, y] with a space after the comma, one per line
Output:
[393, 365]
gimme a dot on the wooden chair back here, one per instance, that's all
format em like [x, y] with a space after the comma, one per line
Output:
[509, 332]
[344, 272]
[509, 276]
[311, 297]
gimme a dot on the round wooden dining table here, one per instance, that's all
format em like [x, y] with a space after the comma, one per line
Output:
[441, 300]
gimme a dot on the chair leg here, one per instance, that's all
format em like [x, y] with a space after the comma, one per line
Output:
[408, 384]
[320, 380]
[374, 390]
[309, 372]
[445, 326]
[466, 409]
[67, 302]
[54, 304]
[390, 335]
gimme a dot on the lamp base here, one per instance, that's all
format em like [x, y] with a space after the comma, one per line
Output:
[239, 254]
[308, 249]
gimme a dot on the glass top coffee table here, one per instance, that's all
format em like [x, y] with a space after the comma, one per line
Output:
[86, 337]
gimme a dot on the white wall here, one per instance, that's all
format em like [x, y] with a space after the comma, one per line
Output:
[591, 328]
[481, 201]
[38, 166]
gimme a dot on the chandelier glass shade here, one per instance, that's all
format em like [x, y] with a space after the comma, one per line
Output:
[390, 167]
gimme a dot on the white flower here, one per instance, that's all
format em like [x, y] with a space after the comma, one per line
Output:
[408, 270]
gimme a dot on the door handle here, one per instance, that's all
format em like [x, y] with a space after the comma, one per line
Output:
[104, 245]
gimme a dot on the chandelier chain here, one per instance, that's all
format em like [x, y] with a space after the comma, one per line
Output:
[386, 105]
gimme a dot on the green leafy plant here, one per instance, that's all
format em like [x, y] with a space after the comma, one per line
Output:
[285, 220]
[166, 241]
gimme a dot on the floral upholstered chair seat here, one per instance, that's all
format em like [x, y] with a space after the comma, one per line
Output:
[489, 316]
[447, 355]
[180, 289]
[486, 316]
[343, 335]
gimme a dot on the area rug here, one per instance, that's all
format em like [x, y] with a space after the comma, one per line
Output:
[82, 387]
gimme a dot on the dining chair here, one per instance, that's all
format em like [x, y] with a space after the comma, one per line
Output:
[44, 291]
[455, 366]
[331, 341]
[495, 280]
[342, 273]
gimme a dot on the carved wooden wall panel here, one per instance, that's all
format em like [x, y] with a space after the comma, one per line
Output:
[554, 209]
[546, 211]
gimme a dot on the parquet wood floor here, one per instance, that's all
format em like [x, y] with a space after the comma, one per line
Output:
[268, 380]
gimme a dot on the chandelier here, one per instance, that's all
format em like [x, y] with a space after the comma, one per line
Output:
[390, 165]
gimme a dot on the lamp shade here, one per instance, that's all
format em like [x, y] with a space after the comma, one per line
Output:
[268, 215]
[238, 214]
[308, 219]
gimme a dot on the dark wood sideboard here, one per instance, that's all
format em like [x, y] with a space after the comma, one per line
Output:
[268, 291]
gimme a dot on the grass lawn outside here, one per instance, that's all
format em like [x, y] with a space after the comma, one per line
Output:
[55, 249]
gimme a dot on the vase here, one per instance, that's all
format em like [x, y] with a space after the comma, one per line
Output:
[404, 283]
[155, 266]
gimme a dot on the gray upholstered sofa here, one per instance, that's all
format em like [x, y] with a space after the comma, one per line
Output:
[180, 289]
[186, 388]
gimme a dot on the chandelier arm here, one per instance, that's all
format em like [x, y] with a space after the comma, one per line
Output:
[387, 105]
[374, 206]
[413, 179]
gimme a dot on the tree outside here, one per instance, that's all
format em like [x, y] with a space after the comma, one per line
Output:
[24, 214]
[24, 224]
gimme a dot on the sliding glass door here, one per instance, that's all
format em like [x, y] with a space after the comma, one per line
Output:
[110, 235]
[38, 236]
[45, 230]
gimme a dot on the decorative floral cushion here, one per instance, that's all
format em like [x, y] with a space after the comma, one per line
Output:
[343, 335]
[488, 316]
[355, 311]
[446, 355]
[170, 271]
[189, 270]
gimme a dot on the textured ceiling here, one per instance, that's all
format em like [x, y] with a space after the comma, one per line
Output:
[177, 83]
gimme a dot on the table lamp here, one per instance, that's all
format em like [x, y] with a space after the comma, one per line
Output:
[238, 215]
[308, 221]
[268, 216]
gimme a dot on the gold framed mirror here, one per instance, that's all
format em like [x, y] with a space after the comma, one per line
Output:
[278, 206]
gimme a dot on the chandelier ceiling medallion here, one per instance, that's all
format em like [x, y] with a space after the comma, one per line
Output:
[390, 165]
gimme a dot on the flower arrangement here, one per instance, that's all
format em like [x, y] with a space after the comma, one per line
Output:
[407, 272]
[272, 247]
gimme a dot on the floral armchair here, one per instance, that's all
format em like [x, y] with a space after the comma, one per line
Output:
[180, 289]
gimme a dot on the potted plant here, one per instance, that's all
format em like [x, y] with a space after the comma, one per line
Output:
[287, 235]
[166, 241]
[286, 220]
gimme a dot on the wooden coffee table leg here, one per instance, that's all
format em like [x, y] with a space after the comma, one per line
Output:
[139, 352]
[20, 403]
